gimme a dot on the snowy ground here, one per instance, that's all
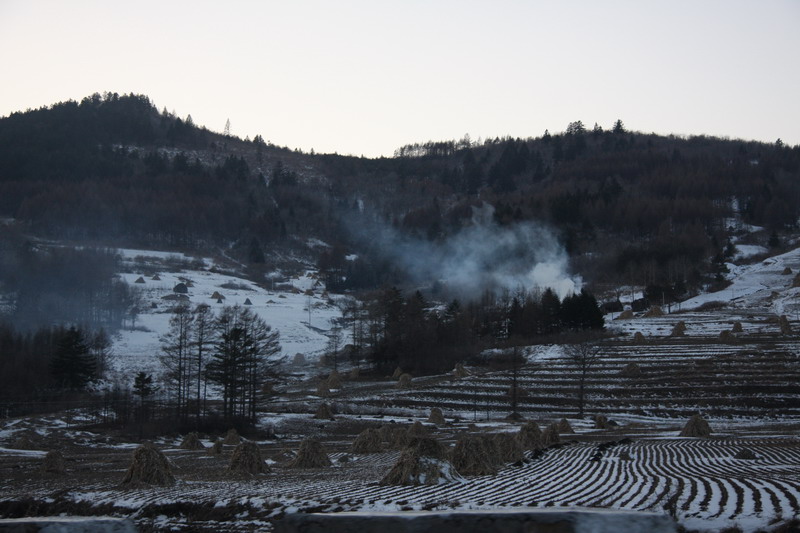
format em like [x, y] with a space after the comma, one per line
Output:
[286, 310]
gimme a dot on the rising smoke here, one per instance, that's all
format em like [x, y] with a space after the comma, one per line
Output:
[485, 255]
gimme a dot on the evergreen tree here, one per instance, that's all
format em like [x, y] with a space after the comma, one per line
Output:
[73, 366]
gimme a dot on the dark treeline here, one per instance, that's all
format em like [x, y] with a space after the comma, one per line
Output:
[412, 333]
[43, 286]
[629, 207]
[49, 363]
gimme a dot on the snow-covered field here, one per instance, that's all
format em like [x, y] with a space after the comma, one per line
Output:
[137, 347]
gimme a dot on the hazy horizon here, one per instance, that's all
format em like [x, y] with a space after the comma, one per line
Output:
[365, 78]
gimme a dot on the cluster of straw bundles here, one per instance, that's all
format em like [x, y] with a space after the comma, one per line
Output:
[148, 466]
[745, 453]
[625, 315]
[334, 380]
[737, 327]
[53, 463]
[796, 281]
[216, 448]
[530, 436]
[726, 336]
[368, 441]
[550, 435]
[246, 459]
[436, 417]
[679, 329]
[397, 373]
[324, 412]
[564, 427]
[787, 271]
[299, 359]
[509, 449]
[638, 338]
[310, 455]
[475, 456]
[601, 422]
[404, 381]
[192, 442]
[631, 370]
[355, 372]
[323, 389]
[654, 311]
[423, 462]
[232, 438]
[696, 427]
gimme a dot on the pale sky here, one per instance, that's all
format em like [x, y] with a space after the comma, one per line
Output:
[367, 76]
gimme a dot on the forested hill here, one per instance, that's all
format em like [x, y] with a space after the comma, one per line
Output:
[627, 206]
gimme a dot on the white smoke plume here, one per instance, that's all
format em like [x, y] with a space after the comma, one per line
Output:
[486, 255]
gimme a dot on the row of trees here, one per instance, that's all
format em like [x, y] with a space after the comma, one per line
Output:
[391, 329]
[234, 351]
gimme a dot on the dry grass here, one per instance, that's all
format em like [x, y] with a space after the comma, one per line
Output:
[232, 438]
[246, 459]
[404, 381]
[53, 463]
[368, 441]
[459, 371]
[550, 435]
[625, 315]
[530, 436]
[653, 312]
[639, 338]
[436, 417]
[631, 370]
[473, 457]
[679, 329]
[508, 447]
[564, 428]
[310, 455]
[192, 442]
[216, 448]
[149, 466]
[421, 463]
[397, 373]
[324, 412]
[334, 380]
[696, 427]
[399, 438]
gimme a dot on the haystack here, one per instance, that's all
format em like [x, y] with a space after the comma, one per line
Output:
[726, 336]
[631, 370]
[399, 438]
[416, 430]
[217, 296]
[654, 311]
[550, 435]
[696, 427]
[796, 281]
[149, 466]
[508, 447]
[299, 359]
[334, 380]
[324, 412]
[600, 422]
[386, 432]
[471, 457]
[247, 301]
[368, 441]
[786, 329]
[436, 417]
[355, 372]
[246, 459]
[310, 455]
[459, 371]
[323, 390]
[787, 271]
[745, 453]
[180, 288]
[53, 463]
[219, 300]
[638, 338]
[140, 279]
[192, 442]
[232, 438]
[530, 436]
[156, 277]
[625, 315]
[216, 448]
[397, 373]
[404, 381]
[679, 329]
[564, 427]
[422, 463]
[520, 392]
[737, 327]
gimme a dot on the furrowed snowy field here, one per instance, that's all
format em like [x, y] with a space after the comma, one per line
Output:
[286, 309]
[745, 383]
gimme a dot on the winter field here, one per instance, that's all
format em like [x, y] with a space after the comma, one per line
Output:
[744, 383]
